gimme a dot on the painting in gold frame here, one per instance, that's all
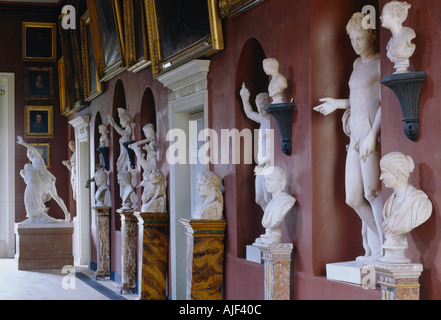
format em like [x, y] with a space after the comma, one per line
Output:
[39, 41]
[135, 34]
[182, 30]
[45, 150]
[107, 36]
[39, 83]
[39, 121]
[232, 8]
[64, 107]
[91, 83]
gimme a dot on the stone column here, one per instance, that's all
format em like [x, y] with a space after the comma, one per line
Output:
[205, 258]
[277, 260]
[103, 246]
[128, 258]
[399, 281]
[153, 233]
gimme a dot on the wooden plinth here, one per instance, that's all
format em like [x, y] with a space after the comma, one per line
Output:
[153, 233]
[44, 246]
[129, 256]
[205, 258]
[103, 246]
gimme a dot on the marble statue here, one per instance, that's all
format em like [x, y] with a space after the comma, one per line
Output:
[148, 160]
[127, 191]
[276, 182]
[210, 189]
[104, 135]
[102, 193]
[70, 164]
[406, 208]
[154, 195]
[264, 157]
[278, 82]
[126, 132]
[362, 124]
[400, 47]
[39, 182]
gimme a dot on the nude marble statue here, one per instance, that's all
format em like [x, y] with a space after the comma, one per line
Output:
[71, 166]
[276, 182]
[264, 156]
[363, 124]
[104, 135]
[406, 209]
[210, 189]
[126, 132]
[278, 83]
[148, 159]
[39, 182]
[400, 47]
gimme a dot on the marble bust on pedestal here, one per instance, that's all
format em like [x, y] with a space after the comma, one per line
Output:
[102, 194]
[210, 189]
[154, 195]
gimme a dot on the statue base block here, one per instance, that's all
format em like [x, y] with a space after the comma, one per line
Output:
[349, 272]
[103, 246]
[44, 246]
[254, 254]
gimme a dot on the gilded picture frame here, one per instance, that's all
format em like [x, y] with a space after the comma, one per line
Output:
[45, 150]
[229, 9]
[39, 41]
[39, 83]
[62, 89]
[91, 82]
[198, 33]
[108, 38]
[135, 34]
[38, 121]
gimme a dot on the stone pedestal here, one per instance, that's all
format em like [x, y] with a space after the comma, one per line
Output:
[205, 258]
[128, 247]
[348, 271]
[153, 247]
[277, 261]
[103, 246]
[44, 246]
[398, 281]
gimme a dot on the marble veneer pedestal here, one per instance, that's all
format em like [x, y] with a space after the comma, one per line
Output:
[44, 246]
[128, 257]
[205, 258]
[398, 281]
[103, 247]
[153, 233]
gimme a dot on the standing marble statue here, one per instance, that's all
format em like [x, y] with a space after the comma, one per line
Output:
[71, 166]
[148, 160]
[276, 182]
[278, 82]
[400, 47]
[102, 194]
[154, 195]
[264, 156]
[406, 208]
[210, 189]
[39, 182]
[127, 191]
[127, 135]
[363, 116]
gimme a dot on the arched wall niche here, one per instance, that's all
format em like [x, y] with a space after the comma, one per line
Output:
[96, 141]
[249, 213]
[119, 101]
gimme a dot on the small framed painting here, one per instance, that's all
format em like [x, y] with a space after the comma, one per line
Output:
[39, 122]
[39, 41]
[39, 83]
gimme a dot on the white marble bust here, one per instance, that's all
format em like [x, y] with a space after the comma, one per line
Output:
[400, 47]
[102, 193]
[276, 182]
[278, 83]
[104, 135]
[154, 195]
[210, 189]
[406, 209]
[127, 191]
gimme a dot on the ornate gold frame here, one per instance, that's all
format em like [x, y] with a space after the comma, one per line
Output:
[49, 70]
[106, 72]
[50, 25]
[50, 122]
[211, 44]
[48, 146]
[232, 8]
[65, 110]
[89, 93]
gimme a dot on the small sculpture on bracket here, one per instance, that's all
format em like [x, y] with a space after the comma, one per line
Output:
[276, 182]
[149, 159]
[406, 85]
[279, 108]
[210, 189]
[104, 145]
[406, 209]
[265, 153]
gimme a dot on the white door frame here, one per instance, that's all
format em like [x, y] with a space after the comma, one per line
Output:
[189, 95]
[7, 104]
